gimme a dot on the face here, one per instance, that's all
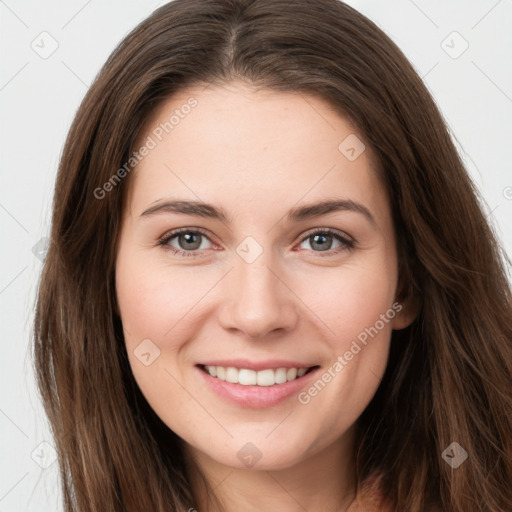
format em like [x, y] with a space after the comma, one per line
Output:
[256, 274]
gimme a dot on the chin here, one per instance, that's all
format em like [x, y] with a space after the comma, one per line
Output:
[259, 455]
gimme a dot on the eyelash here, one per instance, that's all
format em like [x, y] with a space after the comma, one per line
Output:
[347, 244]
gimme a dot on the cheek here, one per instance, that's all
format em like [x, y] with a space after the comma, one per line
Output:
[353, 298]
[359, 340]
[160, 309]
[154, 299]
[155, 305]
[356, 310]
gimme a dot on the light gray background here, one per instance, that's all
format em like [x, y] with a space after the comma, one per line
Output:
[39, 96]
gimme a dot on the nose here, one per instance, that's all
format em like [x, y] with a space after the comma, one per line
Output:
[258, 301]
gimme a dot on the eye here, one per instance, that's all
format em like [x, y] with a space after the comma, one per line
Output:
[322, 240]
[189, 242]
[185, 242]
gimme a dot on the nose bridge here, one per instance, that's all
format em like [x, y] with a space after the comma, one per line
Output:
[258, 301]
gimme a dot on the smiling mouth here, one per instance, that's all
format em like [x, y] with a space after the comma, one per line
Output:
[263, 378]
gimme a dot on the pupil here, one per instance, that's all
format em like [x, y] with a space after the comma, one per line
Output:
[189, 238]
[320, 246]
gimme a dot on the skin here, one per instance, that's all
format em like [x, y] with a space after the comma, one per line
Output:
[257, 154]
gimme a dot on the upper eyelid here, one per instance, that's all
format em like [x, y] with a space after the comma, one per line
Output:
[173, 233]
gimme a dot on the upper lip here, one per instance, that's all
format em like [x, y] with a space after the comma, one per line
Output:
[270, 364]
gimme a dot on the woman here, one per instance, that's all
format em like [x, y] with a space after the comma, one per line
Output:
[338, 334]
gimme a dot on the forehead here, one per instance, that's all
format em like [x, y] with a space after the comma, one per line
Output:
[244, 145]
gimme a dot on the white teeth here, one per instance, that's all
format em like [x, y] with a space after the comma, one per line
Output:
[291, 373]
[247, 377]
[280, 375]
[266, 378]
[232, 375]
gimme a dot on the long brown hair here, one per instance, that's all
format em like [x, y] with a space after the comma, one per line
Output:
[449, 376]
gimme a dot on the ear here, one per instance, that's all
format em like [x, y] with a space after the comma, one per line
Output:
[407, 304]
[406, 312]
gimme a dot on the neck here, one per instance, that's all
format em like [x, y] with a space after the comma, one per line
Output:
[322, 482]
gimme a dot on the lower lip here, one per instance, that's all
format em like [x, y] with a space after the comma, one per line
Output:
[256, 397]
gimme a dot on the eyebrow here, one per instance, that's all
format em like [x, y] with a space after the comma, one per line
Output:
[301, 213]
